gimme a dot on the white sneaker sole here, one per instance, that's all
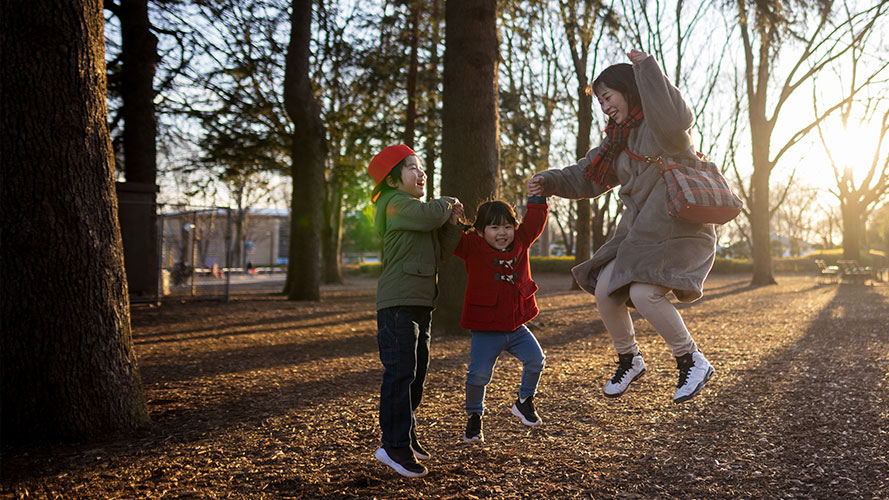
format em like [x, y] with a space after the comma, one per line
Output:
[608, 395]
[695, 392]
[516, 412]
[474, 439]
[384, 457]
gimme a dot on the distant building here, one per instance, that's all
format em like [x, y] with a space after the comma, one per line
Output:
[203, 238]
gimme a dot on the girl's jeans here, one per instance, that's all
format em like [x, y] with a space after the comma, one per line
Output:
[651, 301]
[486, 347]
[403, 338]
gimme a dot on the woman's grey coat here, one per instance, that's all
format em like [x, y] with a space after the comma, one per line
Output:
[648, 245]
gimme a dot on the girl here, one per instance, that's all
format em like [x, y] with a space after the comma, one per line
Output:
[499, 301]
[416, 237]
[651, 254]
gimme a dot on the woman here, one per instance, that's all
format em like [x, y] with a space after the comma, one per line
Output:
[651, 253]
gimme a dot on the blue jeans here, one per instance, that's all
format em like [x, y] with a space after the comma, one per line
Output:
[403, 338]
[486, 347]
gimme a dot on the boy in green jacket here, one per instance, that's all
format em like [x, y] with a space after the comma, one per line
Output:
[417, 236]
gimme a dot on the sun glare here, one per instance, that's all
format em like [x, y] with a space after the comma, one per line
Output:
[859, 145]
[851, 148]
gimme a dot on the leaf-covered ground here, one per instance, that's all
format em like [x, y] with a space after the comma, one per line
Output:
[264, 398]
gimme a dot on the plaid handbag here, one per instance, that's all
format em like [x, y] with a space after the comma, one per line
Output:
[696, 190]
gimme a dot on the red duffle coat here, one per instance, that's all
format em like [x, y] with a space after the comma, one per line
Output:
[499, 289]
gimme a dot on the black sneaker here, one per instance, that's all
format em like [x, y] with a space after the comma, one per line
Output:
[474, 429]
[419, 452]
[526, 411]
[401, 460]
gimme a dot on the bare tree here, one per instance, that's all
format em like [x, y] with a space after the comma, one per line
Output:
[857, 201]
[68, 369]
[586, 25]
[767, 27]
[795, 218]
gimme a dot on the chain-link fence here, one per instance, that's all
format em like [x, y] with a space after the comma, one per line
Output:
[195, 253]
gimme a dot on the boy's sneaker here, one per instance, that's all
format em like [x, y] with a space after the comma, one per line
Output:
[401, 460]
[629, 368]
[694, 372]
[525, 411]
[474, 429]
[418, 450]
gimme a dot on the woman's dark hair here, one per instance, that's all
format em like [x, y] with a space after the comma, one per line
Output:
[620, 77]
[493, 212]
[394, 175]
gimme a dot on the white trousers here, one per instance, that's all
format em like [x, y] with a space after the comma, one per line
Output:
[651, 302]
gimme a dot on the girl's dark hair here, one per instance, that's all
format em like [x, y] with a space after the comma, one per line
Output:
[394, 175]
[620, 77]
[493, 212]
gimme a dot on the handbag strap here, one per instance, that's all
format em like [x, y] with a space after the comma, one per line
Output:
[648, 159]
[658, 159]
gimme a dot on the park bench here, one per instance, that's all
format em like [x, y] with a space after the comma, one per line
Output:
[829, 273]
[853, 272]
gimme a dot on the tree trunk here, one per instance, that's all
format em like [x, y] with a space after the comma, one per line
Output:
[852, 224]
[584, 126]
[432, 113]
[309, 150]
[412, 70]
[599, 223]
[331, 231]
[139, 55]
[470, 148]
[68, 366]
[138, 195]
[759, 226]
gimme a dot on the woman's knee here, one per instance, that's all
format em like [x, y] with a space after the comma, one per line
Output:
[645, 294]
[605, 301]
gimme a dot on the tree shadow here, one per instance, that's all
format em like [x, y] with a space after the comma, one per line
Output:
[811, 406]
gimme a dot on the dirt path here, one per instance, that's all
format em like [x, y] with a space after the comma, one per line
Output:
[261, 398]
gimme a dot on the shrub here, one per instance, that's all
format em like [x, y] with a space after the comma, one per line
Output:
[552, 264]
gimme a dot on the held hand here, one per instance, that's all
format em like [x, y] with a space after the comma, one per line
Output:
[456, 213]
[636, 56]
[536, 186]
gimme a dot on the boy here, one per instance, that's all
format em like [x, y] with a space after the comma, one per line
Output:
[416, 238]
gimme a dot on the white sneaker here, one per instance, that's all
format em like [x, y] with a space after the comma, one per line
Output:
[694, 372]
[629, 368]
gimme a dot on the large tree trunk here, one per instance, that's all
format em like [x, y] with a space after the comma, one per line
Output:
[852, 225]
[583, 227]
[412, 71]
[138, 195]
[432, 112]
[68, 366]
[470, 148]
[139, 55]
[760, 215]
[309, 151]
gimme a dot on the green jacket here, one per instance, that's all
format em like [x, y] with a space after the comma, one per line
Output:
[416, 239]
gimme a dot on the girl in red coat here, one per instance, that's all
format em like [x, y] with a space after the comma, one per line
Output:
[499, 301]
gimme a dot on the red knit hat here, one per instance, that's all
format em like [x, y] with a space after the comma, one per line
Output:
[382, 164]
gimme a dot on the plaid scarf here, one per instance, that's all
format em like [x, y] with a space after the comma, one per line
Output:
[616, 135]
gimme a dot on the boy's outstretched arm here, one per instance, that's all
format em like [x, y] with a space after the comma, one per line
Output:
[450, 234]
[411, 214]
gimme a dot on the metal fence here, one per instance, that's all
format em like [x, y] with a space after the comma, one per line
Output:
[194, 253]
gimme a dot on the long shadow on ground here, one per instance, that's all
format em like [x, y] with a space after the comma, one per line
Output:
[809, 409]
